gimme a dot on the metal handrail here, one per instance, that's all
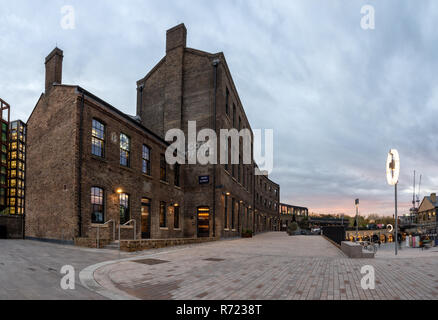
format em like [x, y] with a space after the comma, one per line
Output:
[127, 223]
[100, 226]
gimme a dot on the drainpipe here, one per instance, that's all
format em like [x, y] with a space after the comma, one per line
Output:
[215, 65]
[81, 117]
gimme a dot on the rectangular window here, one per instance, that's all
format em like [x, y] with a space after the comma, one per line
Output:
[163, 214]
[125, 148]
[234, 115]
[124, 208]
[238, 215]
[176, 217]
[97, 205]
[146, 155]
[233, 205]
[177, 174]
[227, 101]
[98, 138]
[163, 168]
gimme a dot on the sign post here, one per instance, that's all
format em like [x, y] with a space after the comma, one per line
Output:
[356, 202]
[392, 175]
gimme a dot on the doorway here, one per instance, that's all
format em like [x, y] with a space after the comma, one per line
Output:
[203, 222]
[145, 218]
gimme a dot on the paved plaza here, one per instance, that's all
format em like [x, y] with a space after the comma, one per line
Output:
[271, 266]
[31, 269]
[268, 266]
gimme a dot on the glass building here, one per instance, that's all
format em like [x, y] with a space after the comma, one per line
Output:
[16, 167]
[4, 123]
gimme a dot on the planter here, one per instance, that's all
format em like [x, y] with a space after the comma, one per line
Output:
[246, 235]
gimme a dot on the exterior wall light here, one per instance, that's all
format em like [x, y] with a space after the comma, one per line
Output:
[119, 190]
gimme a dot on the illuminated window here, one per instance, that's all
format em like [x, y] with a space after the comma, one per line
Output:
[146, 155]
[163, 214]
[124, 207]
[226, 212]
[125, 148]
[97, 205]
[233, 205]
[98, 138]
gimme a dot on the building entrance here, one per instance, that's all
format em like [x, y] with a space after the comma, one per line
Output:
[203, 222]
[145, 218]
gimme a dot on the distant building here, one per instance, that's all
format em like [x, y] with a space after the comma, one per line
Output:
[4, 123]
[325, 222]
[11, 217]
[289, 213]
[427, 213]
[16, 167]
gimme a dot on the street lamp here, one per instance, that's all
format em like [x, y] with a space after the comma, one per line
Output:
[356, 202]
[392, 175]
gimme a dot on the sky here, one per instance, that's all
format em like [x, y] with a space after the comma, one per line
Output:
[338, 97]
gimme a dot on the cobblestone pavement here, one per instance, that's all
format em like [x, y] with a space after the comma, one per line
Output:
[31, 269]
[271, 266]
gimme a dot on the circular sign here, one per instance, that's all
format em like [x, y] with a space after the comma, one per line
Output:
[389, 227]
[393, 167]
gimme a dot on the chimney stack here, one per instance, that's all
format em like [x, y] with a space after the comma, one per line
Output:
[176, 37]
[433, 197]
[54, 68]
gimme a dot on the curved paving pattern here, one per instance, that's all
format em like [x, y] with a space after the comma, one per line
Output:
[269, 266]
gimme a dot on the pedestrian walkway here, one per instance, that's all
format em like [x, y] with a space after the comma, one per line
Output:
[268, 266]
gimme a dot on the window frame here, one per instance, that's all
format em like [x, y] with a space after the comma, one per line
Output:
[128, 208]
[163, 213]
[127, 151]
[97, 138]
[146, 166]
[93, 211]
[163, 168]
[176, 213]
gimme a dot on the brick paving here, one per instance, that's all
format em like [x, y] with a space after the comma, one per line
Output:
[31, 269]
[272, 266]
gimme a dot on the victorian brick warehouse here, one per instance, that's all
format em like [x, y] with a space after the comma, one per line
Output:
[91, 168]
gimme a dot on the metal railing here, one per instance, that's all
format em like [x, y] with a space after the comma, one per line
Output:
[100, 226]
[126, 224]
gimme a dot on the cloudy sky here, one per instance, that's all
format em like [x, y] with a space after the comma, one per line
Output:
[338, 97]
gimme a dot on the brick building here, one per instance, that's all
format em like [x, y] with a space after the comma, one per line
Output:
[428, 213]
[90, 164]
[193, 85]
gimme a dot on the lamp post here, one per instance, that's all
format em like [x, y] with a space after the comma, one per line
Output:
[356, 202]
[392, 175]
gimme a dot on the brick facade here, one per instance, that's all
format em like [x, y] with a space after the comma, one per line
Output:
[186, 85]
